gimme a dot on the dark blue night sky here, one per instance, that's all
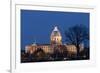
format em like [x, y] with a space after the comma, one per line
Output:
[36, 26]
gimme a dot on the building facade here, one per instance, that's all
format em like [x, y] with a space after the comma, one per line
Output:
[55, 43]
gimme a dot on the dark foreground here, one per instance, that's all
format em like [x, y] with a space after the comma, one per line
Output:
[42, 57]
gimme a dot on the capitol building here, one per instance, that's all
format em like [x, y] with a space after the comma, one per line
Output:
[55, 43]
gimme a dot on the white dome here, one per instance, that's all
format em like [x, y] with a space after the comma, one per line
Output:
[56, 37]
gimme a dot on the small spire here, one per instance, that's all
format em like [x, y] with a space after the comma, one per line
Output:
[34, 42]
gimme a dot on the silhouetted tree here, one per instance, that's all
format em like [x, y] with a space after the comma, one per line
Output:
[76, 35]
[64, 51]
[56, 53]
[39, 54]
[60, 52]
